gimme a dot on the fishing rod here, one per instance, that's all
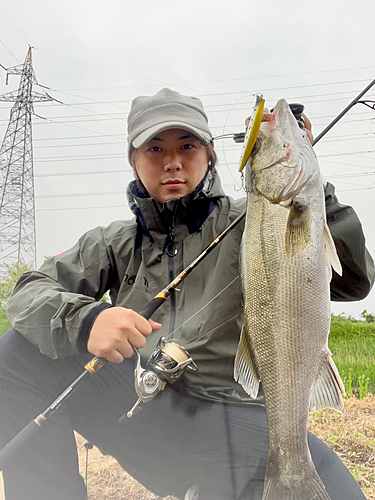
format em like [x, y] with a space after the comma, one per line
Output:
[338, 117]
[297, 110]
[169, 360]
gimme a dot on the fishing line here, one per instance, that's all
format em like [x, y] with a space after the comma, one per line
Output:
[236, 188]
[352, 151]
[11, 20]
[200, 310]
[368, 233]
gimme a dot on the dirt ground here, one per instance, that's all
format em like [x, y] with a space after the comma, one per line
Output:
[351, 435]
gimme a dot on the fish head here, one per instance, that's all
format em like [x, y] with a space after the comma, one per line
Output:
[282, 161]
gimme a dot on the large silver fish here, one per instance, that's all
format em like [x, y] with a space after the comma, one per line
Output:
[287, 259]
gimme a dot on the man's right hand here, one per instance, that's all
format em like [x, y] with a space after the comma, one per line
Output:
[116, 331]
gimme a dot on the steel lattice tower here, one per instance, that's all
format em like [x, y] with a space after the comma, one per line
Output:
[17, 207]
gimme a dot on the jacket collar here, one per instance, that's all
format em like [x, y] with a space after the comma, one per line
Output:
[178, 217]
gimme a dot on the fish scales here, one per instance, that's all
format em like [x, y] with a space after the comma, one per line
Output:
[286, 260]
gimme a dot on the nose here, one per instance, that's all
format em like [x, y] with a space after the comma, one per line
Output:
[173, 163]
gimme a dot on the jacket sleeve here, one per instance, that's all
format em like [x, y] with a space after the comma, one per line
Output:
[357, 264]
[56, 306]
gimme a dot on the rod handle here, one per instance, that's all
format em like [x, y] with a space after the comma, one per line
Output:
[95, 364]
[19, 440]
[152, 306]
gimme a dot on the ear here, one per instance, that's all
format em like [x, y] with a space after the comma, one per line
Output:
[135, 174]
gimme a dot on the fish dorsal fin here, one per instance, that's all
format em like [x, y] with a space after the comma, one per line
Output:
[330, 254]
[297, 229]
[245, 372]
[328, 389]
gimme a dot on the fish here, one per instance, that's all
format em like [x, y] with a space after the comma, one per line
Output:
[287, 257]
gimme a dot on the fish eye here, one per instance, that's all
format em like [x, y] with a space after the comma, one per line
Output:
[256, 146]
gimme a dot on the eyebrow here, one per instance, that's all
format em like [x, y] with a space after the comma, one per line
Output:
[189, 135]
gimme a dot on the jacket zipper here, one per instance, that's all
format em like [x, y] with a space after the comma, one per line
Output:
[172, 297]
[171, 251]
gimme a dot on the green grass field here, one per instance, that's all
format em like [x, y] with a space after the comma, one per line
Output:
[353, 347]
[4, 323]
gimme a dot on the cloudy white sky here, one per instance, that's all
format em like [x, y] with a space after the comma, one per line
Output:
[96, 56]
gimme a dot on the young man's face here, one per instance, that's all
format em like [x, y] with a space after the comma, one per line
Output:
[171, 164]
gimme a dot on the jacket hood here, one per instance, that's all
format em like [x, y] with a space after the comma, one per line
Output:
[179, 216]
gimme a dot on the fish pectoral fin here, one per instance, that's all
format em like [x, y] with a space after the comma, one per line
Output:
[297, 229]
[332, 259]
[328, 389]
[245, 372]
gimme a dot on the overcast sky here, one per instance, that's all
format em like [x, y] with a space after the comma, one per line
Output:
[96, 56]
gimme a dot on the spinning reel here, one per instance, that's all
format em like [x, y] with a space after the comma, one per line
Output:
[167, 363]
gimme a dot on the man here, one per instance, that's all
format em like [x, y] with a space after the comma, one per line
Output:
[201, 430]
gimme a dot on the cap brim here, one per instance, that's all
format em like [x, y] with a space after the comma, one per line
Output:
[151, 132]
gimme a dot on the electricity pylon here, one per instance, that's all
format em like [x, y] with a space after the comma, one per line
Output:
[17, 207]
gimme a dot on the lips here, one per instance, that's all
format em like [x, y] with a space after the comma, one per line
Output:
[173, 184]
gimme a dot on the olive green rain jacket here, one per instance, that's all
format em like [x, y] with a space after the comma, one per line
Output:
[56, 306]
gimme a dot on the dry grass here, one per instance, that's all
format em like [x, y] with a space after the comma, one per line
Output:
[351, 436]
[107, 480]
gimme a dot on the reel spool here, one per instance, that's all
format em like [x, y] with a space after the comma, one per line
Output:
[168, 362]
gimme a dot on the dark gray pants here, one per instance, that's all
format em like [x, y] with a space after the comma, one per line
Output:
[173, 442]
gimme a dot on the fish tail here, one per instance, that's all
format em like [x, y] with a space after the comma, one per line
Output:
[306, 487]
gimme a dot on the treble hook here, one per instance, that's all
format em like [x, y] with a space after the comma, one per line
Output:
[242, 187]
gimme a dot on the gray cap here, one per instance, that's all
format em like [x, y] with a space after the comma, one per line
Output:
[150, 115]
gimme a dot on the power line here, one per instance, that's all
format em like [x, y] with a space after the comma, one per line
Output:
[52, 146]
[109, 156]
[11, 20]
[92, 172]
[11, 53]
[350, 153]
[358, 174]
[225, 80]
[103, 67]
[99, 117]
[223, 107]
[96, 207]
[337, 138]
[231, 93]
[79, 195]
